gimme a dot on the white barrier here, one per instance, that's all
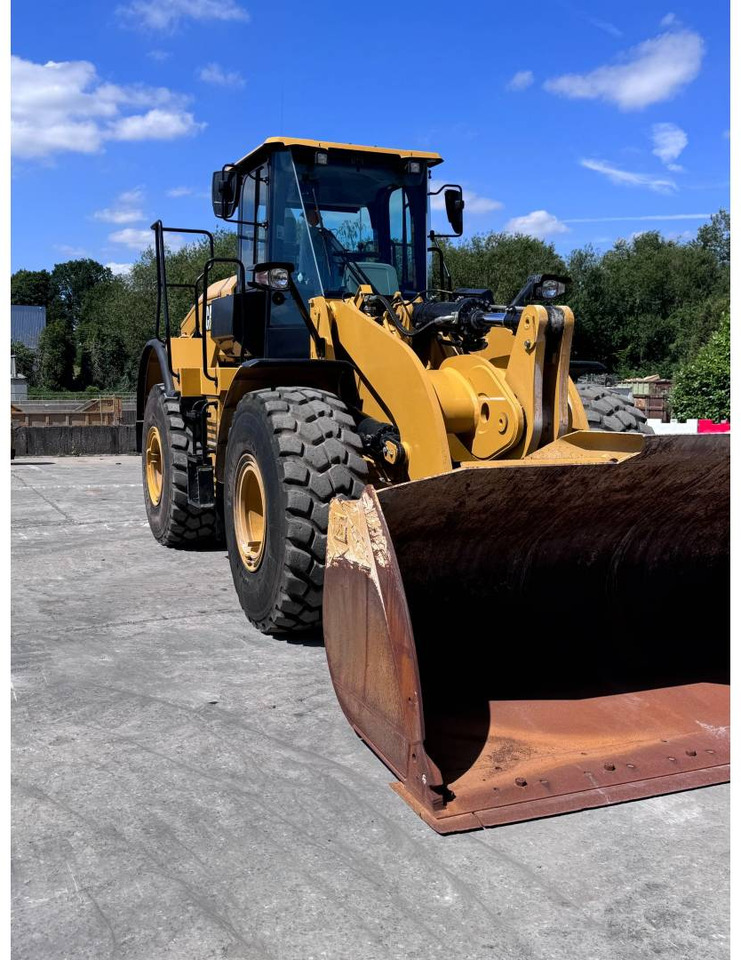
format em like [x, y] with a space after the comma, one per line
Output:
[674, 426]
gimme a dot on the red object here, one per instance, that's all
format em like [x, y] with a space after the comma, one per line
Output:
[707, 426]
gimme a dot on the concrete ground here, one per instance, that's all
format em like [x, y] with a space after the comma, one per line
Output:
[185, 787]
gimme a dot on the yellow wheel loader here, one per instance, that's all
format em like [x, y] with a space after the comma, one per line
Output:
[524, 595]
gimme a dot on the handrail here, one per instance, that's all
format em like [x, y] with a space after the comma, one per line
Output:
[204, 277]
[163, 306]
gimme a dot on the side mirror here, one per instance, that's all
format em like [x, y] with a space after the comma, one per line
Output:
[225, 192]
[272, 276]
[454, 204]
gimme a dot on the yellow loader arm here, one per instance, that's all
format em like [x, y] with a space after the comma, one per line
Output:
[505, 402]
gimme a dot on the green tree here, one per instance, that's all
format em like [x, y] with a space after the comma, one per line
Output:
[72, 281]
[118, 314]
[693, 325]
[597, 329]
[500, 262]
[102, 335]
[57, 356]
[26, 362]
[716, 237]
[642, 307]
[32, 288]
[62, 291]
[645, 305]
[702, 387]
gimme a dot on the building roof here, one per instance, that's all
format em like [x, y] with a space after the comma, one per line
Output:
[26, 324]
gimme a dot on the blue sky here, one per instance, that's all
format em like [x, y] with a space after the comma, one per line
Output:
[579, 122]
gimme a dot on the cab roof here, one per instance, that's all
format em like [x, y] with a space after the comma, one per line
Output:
[260, 153]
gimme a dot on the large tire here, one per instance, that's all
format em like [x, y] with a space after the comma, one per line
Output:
[290, 451]
[173, 521]
[606, 410]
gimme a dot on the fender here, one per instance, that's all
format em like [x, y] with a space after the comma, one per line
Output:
[336, 376]
[153, 369]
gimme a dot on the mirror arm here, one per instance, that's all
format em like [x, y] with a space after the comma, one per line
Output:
[457, 189]
[445, 275]
[445, 186]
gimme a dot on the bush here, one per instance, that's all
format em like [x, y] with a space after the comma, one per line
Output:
[702, 388]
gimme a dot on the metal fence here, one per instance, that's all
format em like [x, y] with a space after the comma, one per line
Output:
[79, 411]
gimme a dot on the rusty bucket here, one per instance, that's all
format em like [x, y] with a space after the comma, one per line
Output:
[528, 640]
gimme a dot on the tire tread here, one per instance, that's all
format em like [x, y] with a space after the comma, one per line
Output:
[611, 411]
[318, 458]
[186, 525]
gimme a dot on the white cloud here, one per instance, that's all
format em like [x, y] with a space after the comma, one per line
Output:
[168, 14]
[629, 179]
[669, 20]
[653, 71]
[521, 80]
[607, 27]
[178, 192]
[156, 125]
[678, 236]
[108, 215]
[140, 239]
[120, 269]
[131, 237]
[539, 223]
[74, 252]
[478, 204]
[475, 203]
[681, 236]
[126, 209]
[669, 141]
[64, 107]
[131, 196]
[159, 56]
[213, 73]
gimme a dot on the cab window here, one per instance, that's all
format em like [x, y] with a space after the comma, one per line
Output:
[253, 215]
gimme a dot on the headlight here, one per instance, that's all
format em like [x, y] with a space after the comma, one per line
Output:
[276, 279]
[550, 289]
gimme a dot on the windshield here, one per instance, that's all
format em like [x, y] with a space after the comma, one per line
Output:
[351, 221]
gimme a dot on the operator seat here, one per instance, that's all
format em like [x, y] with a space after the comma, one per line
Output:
[382, 275]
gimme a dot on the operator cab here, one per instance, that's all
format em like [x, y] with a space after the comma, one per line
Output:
[341, 215]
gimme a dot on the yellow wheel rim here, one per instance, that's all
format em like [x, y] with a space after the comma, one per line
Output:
[249, 512]
[154, 465]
